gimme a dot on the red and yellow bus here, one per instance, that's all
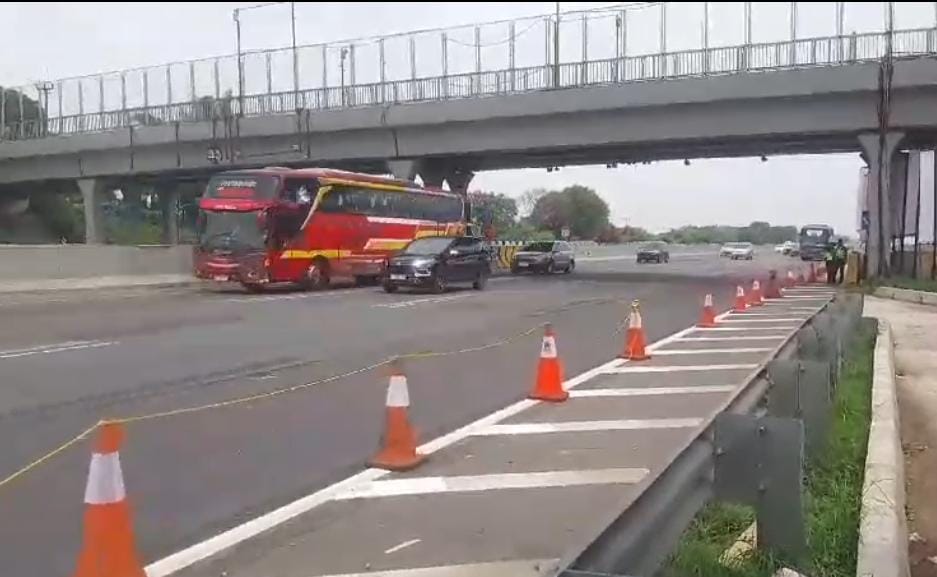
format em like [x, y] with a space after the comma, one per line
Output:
[310, 226]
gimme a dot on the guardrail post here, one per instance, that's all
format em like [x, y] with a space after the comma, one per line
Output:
[760, 462]
[444, 40]
[801, 390]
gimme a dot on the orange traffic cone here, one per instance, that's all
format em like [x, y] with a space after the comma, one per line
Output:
[754, 298]
[108, 548]
[399, 450]
[790, 282]
[549, 384]
[812, 275]
[635, 341]
[708, 319]
[741, 304]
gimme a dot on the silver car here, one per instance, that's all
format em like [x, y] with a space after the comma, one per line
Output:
[738, 251]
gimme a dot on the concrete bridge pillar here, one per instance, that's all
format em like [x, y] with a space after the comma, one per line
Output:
[880, 155]
[93, 195]
[169, 204]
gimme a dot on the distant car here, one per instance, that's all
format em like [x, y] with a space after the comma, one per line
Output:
[435, 263]
[544, 257]
[653, 252]
[780, 248]
[738, 251]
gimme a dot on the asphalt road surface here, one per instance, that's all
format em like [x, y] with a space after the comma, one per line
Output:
[68, 359]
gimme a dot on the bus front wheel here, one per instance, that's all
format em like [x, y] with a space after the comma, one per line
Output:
[317, 275]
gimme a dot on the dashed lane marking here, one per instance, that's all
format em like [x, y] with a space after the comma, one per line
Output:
[290, 296]
[524, 568]
[403, 545]
[56, 348]
[423, 301]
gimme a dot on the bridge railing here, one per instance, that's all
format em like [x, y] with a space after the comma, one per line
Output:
[808, 52]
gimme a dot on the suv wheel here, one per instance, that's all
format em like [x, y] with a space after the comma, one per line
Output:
[317, 275]
[570, 267]
[439, 283]
[390, 287]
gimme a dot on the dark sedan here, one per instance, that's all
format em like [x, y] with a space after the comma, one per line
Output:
[437, 262]
[544, 257]
[653, 252]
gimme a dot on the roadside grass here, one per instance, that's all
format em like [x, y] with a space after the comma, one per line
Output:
[926, 285]
[833, 493]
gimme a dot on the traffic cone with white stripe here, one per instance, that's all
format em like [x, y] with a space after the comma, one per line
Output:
[741, 305]
[399, 442]
[708, 319]
[754, 298]
[790, 282]
[108, 548]
[812, 275]
[635, 341]
[800, 277]
[549, 383]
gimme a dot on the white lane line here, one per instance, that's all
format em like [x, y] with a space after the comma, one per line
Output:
[60, 349]
[403, 545]
[651, 391]
[525, 568]
[782, 313]
[739, 350]
[417, 302]
[475, 483]
[733, 338]
[45, 347]
[290, 296]
[586, 426]
[743, 329]
[775, 320]
[629, 369]
[250, 529]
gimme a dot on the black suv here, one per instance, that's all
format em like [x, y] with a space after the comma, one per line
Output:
[438, 261]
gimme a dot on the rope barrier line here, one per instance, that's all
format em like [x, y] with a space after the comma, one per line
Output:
[76, 439]
[278, 392]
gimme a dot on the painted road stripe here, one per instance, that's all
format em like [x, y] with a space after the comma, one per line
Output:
[731, 338]
[777, 320]
[742, 329]
[525, 568]
[46, 350]
[586, 426]
[403, 545]
[781, 313]
[651, 391]
[290, 296]
[739, 350]
[475, 483]
[627, 369]
[417, 302]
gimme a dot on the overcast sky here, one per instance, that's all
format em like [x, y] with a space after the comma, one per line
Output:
[54, 40]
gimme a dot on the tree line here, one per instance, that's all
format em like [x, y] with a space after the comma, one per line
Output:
[581, 212]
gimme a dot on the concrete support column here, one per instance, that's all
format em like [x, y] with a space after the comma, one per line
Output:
[92, 195]
[169, 203]
[405, 169]
[880, 154]
[459, 182]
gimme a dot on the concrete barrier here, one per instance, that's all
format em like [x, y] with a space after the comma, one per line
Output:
[907, 295]
[883, 533]
[22, 264]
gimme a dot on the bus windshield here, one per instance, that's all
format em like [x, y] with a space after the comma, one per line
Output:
[815, 235]
[231, 231]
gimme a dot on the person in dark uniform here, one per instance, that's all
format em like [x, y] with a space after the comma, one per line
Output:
[842, 253]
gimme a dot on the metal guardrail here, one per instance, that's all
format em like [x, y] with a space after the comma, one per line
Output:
[753, 453]
[802, 53]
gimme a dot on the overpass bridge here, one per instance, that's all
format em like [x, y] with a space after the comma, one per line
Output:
[810, 95]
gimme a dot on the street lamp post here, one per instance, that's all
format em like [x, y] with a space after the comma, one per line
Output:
[240, 63]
